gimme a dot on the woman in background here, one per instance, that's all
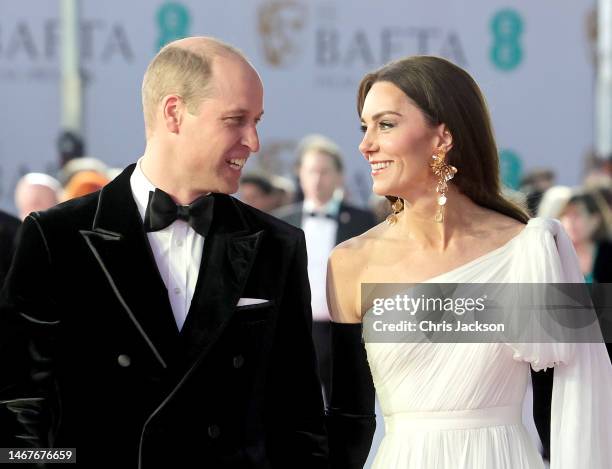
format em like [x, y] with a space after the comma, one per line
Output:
[586, 218]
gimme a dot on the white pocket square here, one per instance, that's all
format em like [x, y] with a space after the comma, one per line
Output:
[250, 301]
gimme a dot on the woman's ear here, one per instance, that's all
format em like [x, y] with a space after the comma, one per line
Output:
[444, 139]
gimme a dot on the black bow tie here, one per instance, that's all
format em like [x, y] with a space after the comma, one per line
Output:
[321, 215]
[162, 211]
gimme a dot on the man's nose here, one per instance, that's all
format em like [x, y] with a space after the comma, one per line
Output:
[251, 139]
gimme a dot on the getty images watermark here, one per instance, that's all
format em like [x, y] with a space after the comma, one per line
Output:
[410, 305]
[486, 312]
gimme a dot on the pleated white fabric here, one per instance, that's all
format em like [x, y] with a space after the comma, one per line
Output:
[458, 406]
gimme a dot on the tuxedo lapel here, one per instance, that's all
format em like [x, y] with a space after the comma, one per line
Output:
[229, 252]
[120, 246]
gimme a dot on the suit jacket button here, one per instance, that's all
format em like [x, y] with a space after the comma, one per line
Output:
[238, 361]
[124, 360]
[214, 431]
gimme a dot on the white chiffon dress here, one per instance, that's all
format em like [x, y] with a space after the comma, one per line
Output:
[459, 405]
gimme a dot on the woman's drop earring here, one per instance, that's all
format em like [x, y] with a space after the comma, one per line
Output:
[445, 172]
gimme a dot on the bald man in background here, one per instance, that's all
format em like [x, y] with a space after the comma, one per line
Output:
[35, 192]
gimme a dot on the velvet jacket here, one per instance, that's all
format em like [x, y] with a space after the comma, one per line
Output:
[91, 357]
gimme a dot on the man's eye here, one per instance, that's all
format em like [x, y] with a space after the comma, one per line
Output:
[235, 119]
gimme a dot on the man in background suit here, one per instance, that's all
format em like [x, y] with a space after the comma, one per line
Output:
[9, 226]
[166, 323]
[327, 221]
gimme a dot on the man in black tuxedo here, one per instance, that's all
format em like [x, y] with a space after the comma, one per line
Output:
[327, 221]
[166, 324]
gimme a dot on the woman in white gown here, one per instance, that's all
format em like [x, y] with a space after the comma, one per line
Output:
[452, 405]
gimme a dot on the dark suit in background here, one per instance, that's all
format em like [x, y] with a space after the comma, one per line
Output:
[352, 221]
[9, 226]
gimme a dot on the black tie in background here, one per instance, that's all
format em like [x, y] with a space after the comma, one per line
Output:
[162, 211]
[321, 215]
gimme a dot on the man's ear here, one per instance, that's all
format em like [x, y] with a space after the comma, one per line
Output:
[172, 110]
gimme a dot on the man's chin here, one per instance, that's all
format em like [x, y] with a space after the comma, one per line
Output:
[227, 188]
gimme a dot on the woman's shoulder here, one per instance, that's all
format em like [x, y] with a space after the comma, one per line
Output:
[537, 232]
[347, 263]
[491, 229]
[354, 248]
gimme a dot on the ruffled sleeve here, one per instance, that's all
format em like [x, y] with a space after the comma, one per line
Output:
[581, 409]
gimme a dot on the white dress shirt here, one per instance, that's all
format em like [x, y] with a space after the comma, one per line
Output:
[320, 232]
[177, 250]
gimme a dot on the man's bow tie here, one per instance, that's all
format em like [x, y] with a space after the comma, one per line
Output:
[162, 211]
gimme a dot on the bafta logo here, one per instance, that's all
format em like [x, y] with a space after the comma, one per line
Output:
[280, 23]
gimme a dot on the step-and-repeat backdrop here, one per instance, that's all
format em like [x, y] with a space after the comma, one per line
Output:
[533, 60]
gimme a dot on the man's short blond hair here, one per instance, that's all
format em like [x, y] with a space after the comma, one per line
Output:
[182, 67]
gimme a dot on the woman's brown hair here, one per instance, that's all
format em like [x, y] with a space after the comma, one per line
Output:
[445, 93]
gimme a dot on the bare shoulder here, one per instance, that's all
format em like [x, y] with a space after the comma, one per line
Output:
[504, 226]
[346, 264]
[494, 229]
[352, 253]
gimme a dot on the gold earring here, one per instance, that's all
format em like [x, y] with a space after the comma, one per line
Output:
[445, 173]
[397, 207]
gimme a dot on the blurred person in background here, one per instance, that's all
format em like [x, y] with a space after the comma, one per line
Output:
[283, 190]
[257, 191]
[70, 146]
[599, 173]
[83, 183]
[586, 218]
[553, 200]
[327, 221]
[77, 165]
[112, 173]
[9, 226]
[534, 184]
[35, 192]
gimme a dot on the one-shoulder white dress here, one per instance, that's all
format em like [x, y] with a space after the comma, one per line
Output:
[458, 405]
